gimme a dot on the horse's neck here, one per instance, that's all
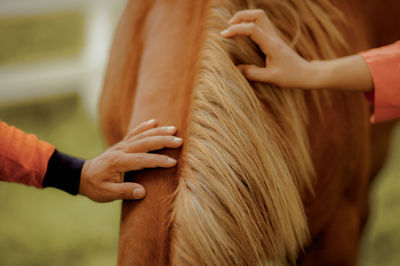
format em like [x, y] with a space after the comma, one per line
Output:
[151, 66]
[151, 71]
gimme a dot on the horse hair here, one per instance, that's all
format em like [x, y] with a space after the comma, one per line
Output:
[246, 161]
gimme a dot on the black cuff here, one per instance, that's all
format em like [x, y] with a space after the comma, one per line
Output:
[63, 172]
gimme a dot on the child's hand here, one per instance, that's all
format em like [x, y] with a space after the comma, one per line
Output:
[102, 177]
[283, 66]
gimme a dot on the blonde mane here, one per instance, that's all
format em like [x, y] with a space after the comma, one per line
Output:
[246, 162]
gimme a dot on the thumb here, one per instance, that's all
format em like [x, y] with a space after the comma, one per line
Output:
[255, 73]
[127, 191]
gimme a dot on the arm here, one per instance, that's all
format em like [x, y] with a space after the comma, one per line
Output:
[27, 160]
[375, 70]
[285, 68]
[23, 158]
[349, 73]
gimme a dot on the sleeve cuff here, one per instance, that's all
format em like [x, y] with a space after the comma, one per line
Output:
[384, 65]
[63, 172]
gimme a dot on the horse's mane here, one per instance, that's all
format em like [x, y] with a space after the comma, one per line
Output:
[246, 161]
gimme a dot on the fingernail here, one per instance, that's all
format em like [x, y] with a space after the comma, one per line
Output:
[151, 121]
[171, 161]
[177, 140]
[138, 193]
[224, 32]
[171, 128]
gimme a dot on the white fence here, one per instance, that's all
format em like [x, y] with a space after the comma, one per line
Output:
[82, 73]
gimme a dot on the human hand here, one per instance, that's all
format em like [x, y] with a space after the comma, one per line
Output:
[102, 177]
[286, 68]
[283, 66]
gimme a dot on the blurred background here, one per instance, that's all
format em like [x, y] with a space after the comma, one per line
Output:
[52, 61]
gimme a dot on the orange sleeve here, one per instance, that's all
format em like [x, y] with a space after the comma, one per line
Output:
[23, 158]
[384, 64]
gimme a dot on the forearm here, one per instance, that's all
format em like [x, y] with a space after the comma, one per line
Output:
[27, 160]
[347, 73]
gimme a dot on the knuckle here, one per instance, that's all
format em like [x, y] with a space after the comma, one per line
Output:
[156, 131]
[142, 124]
[142, 157]
[159, 143]
[164, 159]
[273, 75]
[139, 156]
[146, 141]
[240, 13]
[130, 136]
[110, 195]
[169, 130]
[233, 28]
[169, 139]
[252, 26]
[259, 12]
[101, 195]
[122, 193]
[279, 45]
[118, 145]
[153, 141]
[132, 147]
[114, 159]
[157, 159]
[159, 138]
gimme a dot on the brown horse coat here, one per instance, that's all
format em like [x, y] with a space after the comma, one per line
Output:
[150, 75]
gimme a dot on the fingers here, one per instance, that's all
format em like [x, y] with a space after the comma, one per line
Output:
[153, 143]
[251, 30]
[141, 128]
[250, 15]
[256, 16]
[126, 191]
[126, 162]
[255, 24]
[255, 73]
[158, 131]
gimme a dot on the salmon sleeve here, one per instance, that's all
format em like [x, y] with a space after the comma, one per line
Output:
[384, 65]
[23, 158]
[27, 160]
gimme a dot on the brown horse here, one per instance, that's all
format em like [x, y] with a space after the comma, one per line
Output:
[265, 175]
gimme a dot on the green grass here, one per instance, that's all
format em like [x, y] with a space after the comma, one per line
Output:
[25, 39]
[382, 239]
[50, 227]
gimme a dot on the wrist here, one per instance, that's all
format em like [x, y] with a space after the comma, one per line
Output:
[349, 73]
[320, 74]
[82, 181]
[63, 172]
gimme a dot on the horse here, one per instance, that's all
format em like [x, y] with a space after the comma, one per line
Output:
[266, 175]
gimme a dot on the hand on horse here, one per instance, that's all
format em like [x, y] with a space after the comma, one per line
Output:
[286, 68]
[283, 66]
[102, 177]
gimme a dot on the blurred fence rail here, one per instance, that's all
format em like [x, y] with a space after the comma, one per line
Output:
[80, 72]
